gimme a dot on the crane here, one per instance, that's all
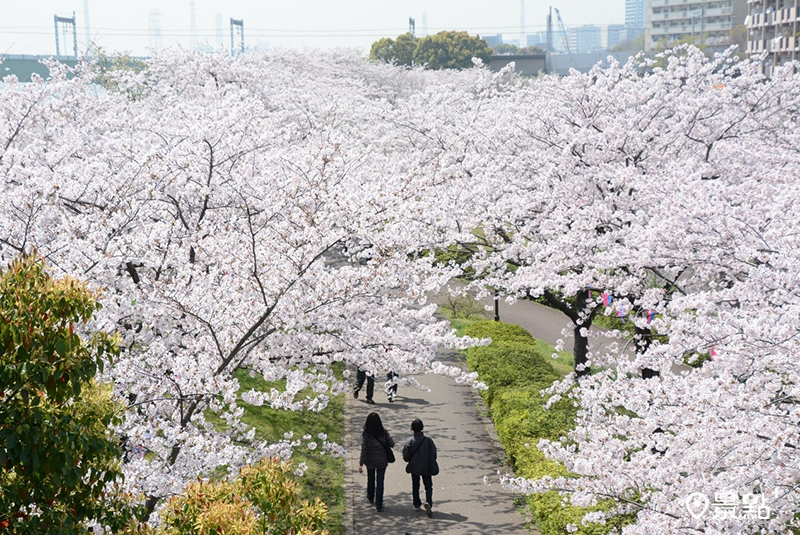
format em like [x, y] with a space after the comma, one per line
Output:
[563, 30]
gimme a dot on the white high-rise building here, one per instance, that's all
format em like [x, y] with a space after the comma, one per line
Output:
[583, 39]
[612, 35]
[708, 21]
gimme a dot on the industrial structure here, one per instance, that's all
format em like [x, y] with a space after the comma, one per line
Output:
[707, 21]
[772, 27]
[237, 28]
[86, 31]
[562, 29]
[155, 30]
[65, 24]
[193, 41]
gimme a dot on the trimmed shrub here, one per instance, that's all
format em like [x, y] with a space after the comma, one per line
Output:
[516, 373]
[505, 364]
[499, 332]
[520, 417]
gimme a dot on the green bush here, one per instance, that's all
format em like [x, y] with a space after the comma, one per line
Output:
[499, 332]
[263, 500]
[59, 458]
[520, 416]
[502, 365]
[516, 372]
[552, 512]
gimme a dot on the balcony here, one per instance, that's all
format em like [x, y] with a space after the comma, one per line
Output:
[784, 44]
[758, 46]
[673, 15]
[756, 20]
[786, 15]
[717, 11]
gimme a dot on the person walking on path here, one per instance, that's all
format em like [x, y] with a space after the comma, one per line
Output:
[420, 454]
[361, 375]
[376, 454]
[391, 386]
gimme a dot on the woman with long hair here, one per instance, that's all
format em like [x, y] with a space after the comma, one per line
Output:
[376, 447]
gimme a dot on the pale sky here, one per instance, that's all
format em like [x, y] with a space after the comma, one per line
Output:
[26, 26]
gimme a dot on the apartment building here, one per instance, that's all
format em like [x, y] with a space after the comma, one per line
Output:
[772, 27]
[613, 34]
[710, 21]
[583, 39]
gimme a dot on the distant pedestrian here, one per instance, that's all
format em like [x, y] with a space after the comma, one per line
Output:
[391, 386]
[376, 454]
[361, 375]
[420, 454]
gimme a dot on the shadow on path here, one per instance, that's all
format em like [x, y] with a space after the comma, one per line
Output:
[463, 504]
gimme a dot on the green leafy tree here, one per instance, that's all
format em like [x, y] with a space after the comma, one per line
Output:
[533, 49]
[504, 48]
[58, 457]
[738, 36]
[264, 499]
[399, 51]
[698, 41]
[107, 68]
[451, 50]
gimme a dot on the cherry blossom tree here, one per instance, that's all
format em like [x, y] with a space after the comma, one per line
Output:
[211, 198]
[276, 214]
[635, 182]
[671, 190]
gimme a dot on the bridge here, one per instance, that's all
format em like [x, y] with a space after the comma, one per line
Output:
[24, 66]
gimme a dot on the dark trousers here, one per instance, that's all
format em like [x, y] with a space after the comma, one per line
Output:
[375, 488]
[360, 376]
[428, 481]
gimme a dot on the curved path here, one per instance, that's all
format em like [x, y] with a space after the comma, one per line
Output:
[467, 447]
[463, 504]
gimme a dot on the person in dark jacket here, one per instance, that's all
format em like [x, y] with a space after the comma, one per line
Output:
[420, 454]
[375, 440]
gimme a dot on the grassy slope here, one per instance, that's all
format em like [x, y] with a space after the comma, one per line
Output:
[325, 475]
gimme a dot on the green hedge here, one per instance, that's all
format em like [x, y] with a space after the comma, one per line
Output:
[510, 364]
[499, 332]
[516, 372]
[520, 417]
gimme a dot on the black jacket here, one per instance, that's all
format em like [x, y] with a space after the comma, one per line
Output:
[421, 460]
[373, 454]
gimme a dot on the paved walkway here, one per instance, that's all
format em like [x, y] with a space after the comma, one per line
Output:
[542, 322]
[463, 505]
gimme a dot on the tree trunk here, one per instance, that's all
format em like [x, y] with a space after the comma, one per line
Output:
[580, 349]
